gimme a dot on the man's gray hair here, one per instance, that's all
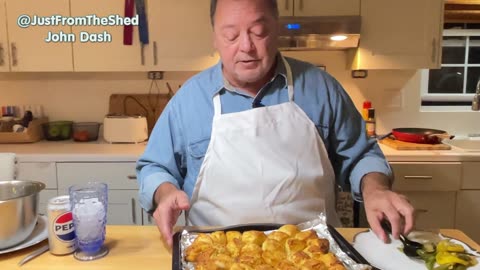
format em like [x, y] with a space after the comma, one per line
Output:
[272, 3]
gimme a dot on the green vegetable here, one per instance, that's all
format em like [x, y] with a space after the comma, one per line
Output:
[54, 131]
[446, 255]
[430, 262]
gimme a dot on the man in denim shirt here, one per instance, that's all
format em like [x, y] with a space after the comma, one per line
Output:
[262, 138]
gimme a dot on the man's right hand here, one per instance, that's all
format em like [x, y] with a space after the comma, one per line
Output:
[170, 204]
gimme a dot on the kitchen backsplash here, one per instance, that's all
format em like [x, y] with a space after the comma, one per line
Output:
[395, 94]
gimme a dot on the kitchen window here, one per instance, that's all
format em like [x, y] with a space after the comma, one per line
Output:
[455, 82]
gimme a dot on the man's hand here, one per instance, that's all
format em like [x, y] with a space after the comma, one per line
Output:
[380, 202]
[170, 204]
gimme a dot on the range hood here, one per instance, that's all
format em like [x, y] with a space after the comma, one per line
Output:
[319, 33]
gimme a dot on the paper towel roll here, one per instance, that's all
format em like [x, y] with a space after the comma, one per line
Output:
[7, 166]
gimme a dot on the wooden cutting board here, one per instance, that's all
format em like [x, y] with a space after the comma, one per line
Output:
[148, 105]
[399, 145]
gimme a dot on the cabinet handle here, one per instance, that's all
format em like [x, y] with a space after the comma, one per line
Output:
[422, 177]
[155, 58]
[14, 54]
[132, 177]
[134, 218]
[434, 50]
[287, 6]
[2, 60]
[422, 211]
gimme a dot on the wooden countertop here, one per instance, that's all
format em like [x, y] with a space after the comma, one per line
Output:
[100, 151]
[136, 247]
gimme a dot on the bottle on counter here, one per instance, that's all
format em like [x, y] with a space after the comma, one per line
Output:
[370, 124]
[366, 105]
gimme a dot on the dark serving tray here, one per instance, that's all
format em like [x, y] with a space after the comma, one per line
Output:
[341, 241]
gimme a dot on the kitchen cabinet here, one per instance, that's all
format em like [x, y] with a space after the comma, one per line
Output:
[427, 176]
[319, 7]
[148, 220]
[4, 55]
[28, 48]
[431, 188]
[44, 172]
[183, 34]
[399, 35]
[123, 205]
[115, 56]
[174, 44]
[468, 200]
[468, 214]
[434, 209]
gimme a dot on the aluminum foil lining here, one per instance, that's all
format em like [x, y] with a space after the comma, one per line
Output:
[319, 225]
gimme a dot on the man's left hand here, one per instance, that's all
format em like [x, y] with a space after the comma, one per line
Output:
[382, 203]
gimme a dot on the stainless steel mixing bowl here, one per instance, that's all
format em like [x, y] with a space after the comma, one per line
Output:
[18, 210]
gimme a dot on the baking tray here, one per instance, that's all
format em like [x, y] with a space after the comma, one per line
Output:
[341, 241]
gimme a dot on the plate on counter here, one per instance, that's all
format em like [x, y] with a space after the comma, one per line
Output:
[39, 234]
[389, 257]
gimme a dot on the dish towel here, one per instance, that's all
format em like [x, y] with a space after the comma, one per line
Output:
[7, 166]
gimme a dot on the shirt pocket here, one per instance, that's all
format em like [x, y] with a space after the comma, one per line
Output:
[196, 153]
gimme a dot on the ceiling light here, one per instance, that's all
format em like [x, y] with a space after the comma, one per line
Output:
[338, 37]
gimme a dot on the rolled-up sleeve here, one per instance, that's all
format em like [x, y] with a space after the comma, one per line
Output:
[162, 160]
[354, 155]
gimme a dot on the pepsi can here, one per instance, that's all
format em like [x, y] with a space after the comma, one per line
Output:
[61, 233]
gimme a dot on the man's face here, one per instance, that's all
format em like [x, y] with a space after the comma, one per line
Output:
[245, 35]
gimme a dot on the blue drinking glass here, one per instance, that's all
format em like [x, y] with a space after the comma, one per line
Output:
[89, 210]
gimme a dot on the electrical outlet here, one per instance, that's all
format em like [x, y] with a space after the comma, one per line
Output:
[155, 75]
[393, 98]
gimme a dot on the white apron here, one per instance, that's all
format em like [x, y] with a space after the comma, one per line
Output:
[264, 165]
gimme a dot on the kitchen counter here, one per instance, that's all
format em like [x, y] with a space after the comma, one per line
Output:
[136, 247]
[98, 151]
[71, 151]
[455, 154]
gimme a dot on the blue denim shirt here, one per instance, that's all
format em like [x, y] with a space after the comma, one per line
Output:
[180, 138]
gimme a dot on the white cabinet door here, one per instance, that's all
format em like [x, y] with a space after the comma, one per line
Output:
[427, 176]
[44, 172]
[148, 220]
[470, 175]
[124, 208]
[434, 209]
[285, 7]
[4, 55]
[28, 49]
[119, 175]
[45, 195]
[123, 205]
[400, 34]
[327, 8]
[106, 56]
[468, 214]
[183, 34]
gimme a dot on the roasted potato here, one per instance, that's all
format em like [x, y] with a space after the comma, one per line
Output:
[286, 248]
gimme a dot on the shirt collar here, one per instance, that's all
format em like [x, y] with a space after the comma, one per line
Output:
[221, 83]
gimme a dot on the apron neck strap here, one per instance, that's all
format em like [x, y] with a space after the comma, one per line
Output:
[289, 78]
[217, 105]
